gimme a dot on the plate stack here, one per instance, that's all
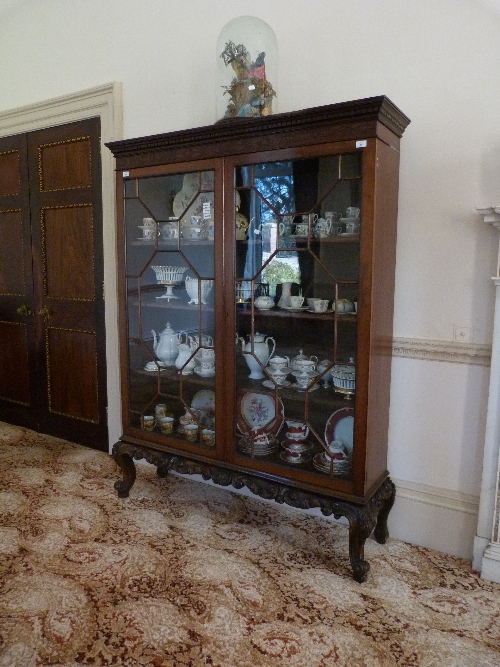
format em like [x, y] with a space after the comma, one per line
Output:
[259, 448]
[340, 467]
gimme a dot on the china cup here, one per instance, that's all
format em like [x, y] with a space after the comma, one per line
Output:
[148, 422]
[191, 432]
[208, 437]
[319, 305]
[298, 430]
[278, 363]
[296, 301]
[166, 425]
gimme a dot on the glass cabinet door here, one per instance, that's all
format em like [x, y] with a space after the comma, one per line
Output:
[297, 262]
[170, 281]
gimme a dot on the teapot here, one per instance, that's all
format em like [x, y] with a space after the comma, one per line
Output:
[257, 348]
[165, 345]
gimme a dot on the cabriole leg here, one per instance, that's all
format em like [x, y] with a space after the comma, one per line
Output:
[381, 533]
[361, 524]
[126, 464]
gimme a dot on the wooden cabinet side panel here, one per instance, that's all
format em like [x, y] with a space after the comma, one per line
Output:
[384, 262]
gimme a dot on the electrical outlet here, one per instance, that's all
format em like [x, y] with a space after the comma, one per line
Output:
[462, 334]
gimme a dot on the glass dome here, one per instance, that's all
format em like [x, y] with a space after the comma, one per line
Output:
[247, 69]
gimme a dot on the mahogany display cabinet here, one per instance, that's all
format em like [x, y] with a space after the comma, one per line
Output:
[256, 263]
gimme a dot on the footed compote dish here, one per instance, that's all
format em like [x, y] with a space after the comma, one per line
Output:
[169, 276]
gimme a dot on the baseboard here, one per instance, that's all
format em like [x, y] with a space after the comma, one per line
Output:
[434, 517]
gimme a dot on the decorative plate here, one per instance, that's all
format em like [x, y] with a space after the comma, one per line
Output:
[204, 400]
[340, 426]
[259, 412]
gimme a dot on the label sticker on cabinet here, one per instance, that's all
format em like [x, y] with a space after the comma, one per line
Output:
[361, 143]
[206, 210]
[125, 174]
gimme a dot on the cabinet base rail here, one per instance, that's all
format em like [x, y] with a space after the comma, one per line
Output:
[363, 519]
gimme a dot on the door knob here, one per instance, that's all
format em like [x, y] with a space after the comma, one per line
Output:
[24, 310]
[45, 313]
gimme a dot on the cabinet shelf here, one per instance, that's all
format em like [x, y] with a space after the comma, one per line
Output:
[347, 317]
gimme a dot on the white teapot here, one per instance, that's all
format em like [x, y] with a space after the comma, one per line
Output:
[165, 345]
[257, 348]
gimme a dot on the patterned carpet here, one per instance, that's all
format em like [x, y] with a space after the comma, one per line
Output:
[186, 574]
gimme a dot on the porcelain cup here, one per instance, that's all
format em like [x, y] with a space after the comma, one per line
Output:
[319, 305]
[191, 432]
[352, 227]
[148, 422]
[208, 437]
[148, 222]
[296, 301]
[279, 363]
[297, 429]
[352, 212]
[166, 425]
[336, 449]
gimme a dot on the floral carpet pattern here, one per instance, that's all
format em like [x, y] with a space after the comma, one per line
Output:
[192, 575]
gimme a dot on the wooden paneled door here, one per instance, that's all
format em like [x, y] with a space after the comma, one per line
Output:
[52, 337]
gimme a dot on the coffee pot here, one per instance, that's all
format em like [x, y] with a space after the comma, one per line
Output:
[165, 345]
[257, 348]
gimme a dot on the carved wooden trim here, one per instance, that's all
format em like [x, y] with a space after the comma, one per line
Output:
[370, 109]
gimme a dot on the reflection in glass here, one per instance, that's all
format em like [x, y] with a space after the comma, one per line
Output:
[303, 249]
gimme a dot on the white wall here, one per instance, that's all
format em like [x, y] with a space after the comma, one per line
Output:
[438, 60]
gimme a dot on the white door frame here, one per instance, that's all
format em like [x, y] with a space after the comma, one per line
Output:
[104, 102]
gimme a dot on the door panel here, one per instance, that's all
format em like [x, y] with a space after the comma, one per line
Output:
[14, 378]
[72, 373]
[66, 164]
[68, 255]
[11, 253]
[10, 180]
[52, 338]
[65, 197]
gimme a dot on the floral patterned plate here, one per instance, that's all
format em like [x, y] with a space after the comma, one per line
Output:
[259, 412]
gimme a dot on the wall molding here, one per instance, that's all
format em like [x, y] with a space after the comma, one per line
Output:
[437, 496]
[442, 350]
